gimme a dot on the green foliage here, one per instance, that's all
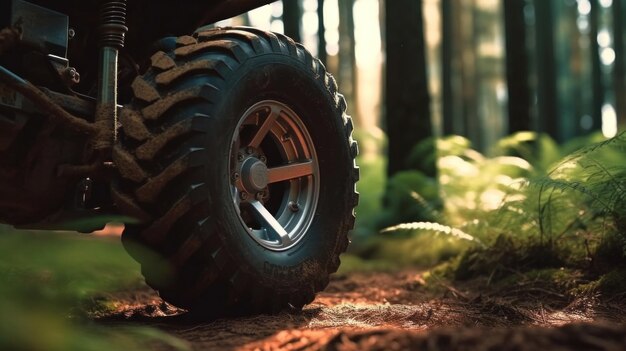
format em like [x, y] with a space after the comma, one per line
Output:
[505, 256]
[46, 280]
[611, 283]
[532, 205]
[410, 196]
[415, 249]
[351, 263]
[585, 192]
[538, 149]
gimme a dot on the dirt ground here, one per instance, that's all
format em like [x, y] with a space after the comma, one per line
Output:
[395, 311]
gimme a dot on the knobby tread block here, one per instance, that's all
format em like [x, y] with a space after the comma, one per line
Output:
[189, 247]
[272, 38]
[156, 232]
[354, 148]
[251, 39]
[144, 91]
[151, 189]
[132, 123]
[169, 76]
[356, 173]
[221, 45]
[185, 40]
[349, 127]
[149, 149]
[160, 107]
[127, 205]
[161, 61]
[127, 165]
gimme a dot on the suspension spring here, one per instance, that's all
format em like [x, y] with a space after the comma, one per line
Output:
[113, 23]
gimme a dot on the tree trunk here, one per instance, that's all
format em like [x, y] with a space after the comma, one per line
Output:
[517, 66]
[408, 100]
[347, 56]
[292, 13]
[596, 69]
[619, 72]
[547, 97]
[447, 90]
[466, 66]
[321, 33]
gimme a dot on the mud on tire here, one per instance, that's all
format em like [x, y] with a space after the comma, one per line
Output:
[233, 111]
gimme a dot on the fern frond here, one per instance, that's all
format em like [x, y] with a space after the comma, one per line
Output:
[565, 185]
[618, 142]
[433, 227]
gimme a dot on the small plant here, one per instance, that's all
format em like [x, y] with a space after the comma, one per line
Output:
[528, 206]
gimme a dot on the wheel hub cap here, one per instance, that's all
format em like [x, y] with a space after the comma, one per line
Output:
[254, 175]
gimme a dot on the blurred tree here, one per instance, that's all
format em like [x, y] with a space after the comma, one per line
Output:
[619, 71]
[547, 97]
[408, 102]
[347, 77]
[596, 69]
[451, 123]
[321, 33]
[517, 66]
[570, 57]
[292, 14]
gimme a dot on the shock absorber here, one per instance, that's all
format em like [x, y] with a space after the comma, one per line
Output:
[112, 32]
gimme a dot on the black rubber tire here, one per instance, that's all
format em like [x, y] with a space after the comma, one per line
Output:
[173, 161]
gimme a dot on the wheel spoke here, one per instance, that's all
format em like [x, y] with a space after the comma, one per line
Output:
[290, 171]
[270, 223]
[265, 127]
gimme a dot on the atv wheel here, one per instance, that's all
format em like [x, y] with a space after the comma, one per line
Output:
[237, 157]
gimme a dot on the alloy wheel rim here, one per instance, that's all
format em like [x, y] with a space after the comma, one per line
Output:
[274, 175]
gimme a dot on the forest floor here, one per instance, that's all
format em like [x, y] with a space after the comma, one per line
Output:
[396, 311]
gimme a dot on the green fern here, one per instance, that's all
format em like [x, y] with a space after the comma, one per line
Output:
[588, 186]
[436, 228]
[577, 202]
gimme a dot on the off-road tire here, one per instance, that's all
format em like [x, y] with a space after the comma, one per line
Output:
[175, 164]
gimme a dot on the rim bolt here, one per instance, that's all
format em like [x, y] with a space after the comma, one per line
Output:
[250, 150]
[235, 176]
[239, 157]
[243, 195]
[294, 207]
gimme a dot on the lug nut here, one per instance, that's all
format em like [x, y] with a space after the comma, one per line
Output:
[235, 176]
[294, 207]
[263, 159]
[250, 150]
[260, 196]
[239, 157]
[243, 195]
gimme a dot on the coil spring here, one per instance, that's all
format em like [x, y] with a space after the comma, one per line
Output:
[113, 23]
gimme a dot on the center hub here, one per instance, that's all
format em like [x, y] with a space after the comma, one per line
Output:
[254, 175]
